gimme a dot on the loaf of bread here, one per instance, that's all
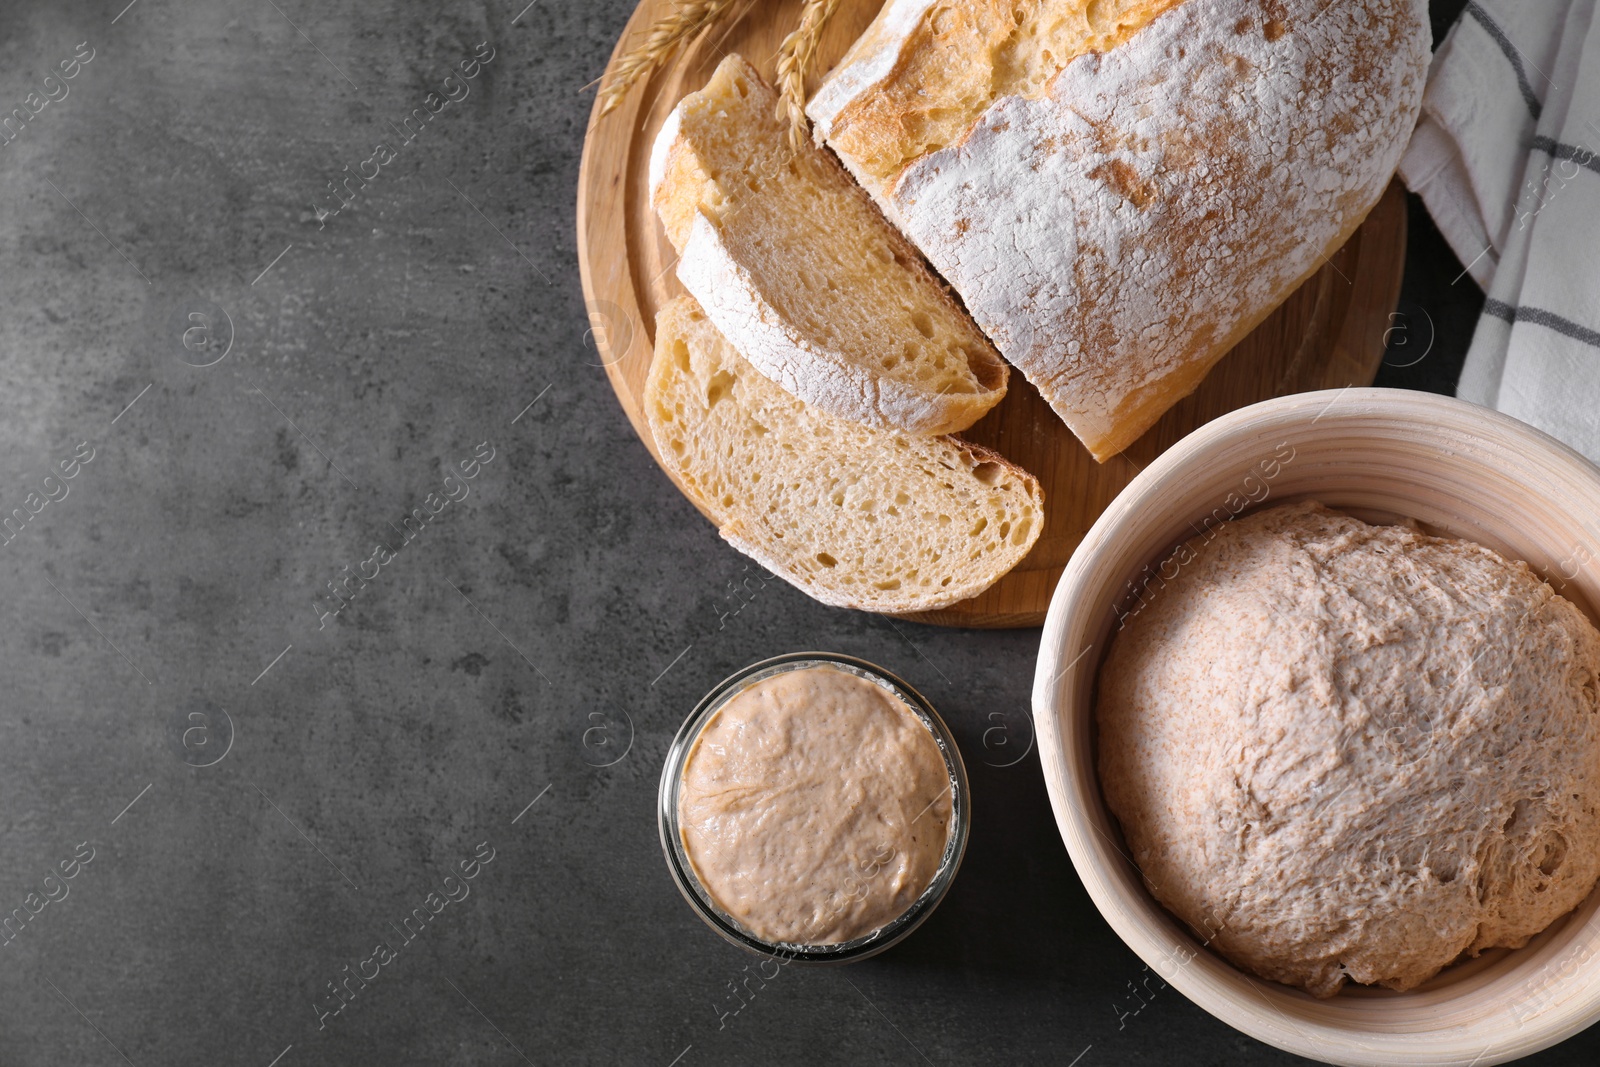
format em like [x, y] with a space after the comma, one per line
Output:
[1120, 190]
[796, 266]
[855, 516]
[1351, 752]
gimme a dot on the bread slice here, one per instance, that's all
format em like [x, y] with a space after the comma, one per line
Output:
[799, 269]
[1120, 190]
[854, 516]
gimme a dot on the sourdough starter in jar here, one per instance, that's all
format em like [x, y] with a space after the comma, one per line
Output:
[815, 807]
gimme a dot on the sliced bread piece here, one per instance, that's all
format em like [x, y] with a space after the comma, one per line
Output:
[1120, 190]
[801, 271]
[854, 516]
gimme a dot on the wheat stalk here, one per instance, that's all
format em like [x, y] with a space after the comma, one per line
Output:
[796, 56]
[686, 20]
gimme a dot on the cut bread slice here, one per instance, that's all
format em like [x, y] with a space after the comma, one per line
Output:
[795, 264]
[852, 515]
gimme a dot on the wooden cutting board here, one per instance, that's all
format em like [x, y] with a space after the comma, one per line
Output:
[1329, 334]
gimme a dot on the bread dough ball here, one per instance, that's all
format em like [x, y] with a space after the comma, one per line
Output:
[1343, 751]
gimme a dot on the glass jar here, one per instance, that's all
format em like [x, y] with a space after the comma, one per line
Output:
[683, 872]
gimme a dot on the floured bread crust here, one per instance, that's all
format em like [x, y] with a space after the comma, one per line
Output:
[1116, 230]
[1354, 752]
[934, 66]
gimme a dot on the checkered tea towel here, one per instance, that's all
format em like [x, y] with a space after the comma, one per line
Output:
[1507, 159]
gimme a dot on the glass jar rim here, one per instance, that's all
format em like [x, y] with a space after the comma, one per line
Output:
[699, 898]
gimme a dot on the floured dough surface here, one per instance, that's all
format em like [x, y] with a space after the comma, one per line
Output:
[1354, 752]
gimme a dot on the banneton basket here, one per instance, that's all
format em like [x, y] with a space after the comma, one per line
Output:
[1381, 454]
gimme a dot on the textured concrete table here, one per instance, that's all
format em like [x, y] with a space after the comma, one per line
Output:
[364, 621]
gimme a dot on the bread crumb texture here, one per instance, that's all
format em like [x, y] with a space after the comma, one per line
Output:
[1120, 191]
[854, 516]
[1354, 752]
[791, 259]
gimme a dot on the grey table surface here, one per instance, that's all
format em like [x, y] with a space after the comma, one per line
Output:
[252, 790]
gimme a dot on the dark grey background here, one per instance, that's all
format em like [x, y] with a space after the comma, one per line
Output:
[566, 614]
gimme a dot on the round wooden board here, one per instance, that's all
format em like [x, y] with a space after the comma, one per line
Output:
[1328, 335]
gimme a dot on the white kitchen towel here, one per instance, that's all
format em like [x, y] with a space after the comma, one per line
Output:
[1507, 159]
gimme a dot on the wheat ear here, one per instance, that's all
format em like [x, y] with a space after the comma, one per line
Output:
[686, 20]
[796, 56]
